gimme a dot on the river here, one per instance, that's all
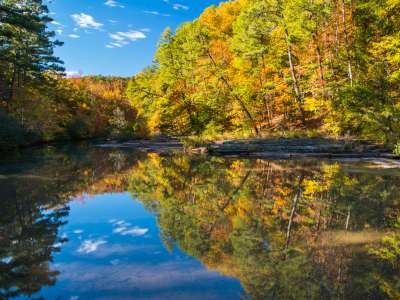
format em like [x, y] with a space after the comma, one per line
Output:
[81, 222]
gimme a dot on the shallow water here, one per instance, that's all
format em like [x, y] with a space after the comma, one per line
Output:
[90, 223]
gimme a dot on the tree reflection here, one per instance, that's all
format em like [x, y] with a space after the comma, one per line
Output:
[35, 192]
[287, 230]
[29, 225]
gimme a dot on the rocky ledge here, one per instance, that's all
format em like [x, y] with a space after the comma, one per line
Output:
[279, 148]
[158, 145]
[297, 148]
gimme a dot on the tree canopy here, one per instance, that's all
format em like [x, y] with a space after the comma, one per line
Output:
[271, 66]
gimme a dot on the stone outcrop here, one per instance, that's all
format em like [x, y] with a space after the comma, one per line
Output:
[298, 147]
[274, 148]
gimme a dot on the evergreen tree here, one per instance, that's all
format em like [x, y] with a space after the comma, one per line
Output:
[26, 45]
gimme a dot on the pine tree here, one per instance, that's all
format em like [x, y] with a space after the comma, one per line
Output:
[26, 45]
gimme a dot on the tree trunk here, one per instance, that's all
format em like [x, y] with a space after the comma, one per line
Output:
[237, 98]
[268, 109]
[337, 39]
[12, 83]
[292, 213]
[235, 192]
[348, 218]
[296, 85]
[319, 59]
[346, 41]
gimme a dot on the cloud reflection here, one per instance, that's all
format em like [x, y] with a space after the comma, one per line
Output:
[89, 246]
[124, 277]
[124, 228]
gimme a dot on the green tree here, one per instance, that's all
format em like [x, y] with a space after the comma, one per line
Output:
[26, 45]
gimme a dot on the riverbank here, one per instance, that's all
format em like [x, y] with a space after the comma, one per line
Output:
[268, 148]
[261, 148]
[299, 147]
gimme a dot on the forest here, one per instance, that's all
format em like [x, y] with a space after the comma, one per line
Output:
[243, 68]
[38, 103]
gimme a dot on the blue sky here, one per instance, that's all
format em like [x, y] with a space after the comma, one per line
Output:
[116, 37]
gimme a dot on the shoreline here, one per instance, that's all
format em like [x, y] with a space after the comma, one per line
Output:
[257, 148]
[266, 148]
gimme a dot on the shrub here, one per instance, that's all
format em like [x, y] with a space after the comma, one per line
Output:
[396, 149]
[13, 134]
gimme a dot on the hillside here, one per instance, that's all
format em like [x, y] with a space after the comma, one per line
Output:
[273, 67]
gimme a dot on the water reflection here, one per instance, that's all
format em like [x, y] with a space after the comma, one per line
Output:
[287, 230]
[284, 229]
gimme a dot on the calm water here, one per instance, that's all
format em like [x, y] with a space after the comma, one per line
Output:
[90, 223]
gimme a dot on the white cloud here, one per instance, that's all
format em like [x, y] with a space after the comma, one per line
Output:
[136, 231]
[120, 39]
[178, 6]
[71, 73]
[120, 229]
[155, 13]
[113, 3]
[151, 12]
[121, 222]
[73, 36]
[132, 35]
[89, 246]
[60, 27]
[56, 23]
[78, 231]
[86, 21]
